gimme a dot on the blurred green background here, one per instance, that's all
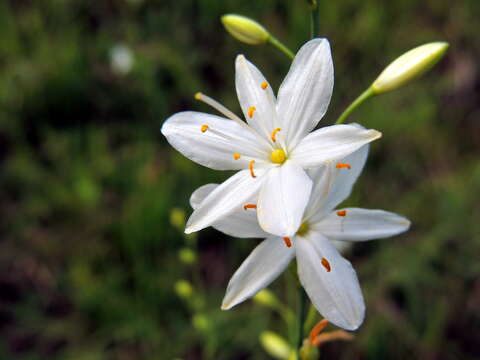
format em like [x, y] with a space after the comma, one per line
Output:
[91, 252]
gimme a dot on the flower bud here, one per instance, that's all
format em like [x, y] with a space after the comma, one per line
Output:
[183, 289]
[275, 345]
[177, 218]
[409, 66]
[187, 256]
[245, 29]
[266, 298]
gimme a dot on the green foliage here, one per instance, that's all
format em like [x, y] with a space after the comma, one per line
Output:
[89, 256]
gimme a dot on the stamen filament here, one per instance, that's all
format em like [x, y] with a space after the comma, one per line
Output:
[343, 165]
[250, 167]
[342, 212]
[287, 241]
[326, 264]
[274, 133]
[317, 329]
[249, 206]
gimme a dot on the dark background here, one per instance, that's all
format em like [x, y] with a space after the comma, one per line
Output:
[89, 246]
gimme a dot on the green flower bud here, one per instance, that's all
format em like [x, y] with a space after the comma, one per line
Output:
[200, 322]
[245, 29]
[275, 345]
[187, 256]
[177, 218]
[409, 66]
[183, 289]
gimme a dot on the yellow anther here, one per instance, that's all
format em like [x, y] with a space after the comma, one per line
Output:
[250, 111]
[326, 264]
[250, 167]
[249, 206]
[342, 213]
[264, 85]
[343, 166]
[204, 128]
[278, 156]
[274, 133]
[287, 241]
[236, 156]
[198, 96]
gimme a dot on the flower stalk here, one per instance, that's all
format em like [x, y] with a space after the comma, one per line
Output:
[358, 101]
[280, 46]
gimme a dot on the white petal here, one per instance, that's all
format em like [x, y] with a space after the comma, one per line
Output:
[362, 225]
[305, 93]
[331, 143]
[248, 82]
[332, 185]
[215, 147]
[266, 262]
[226, 198]
[336, 293]
[240, 223]
[283, 198]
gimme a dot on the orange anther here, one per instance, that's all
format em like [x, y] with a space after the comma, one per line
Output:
[249, 206]
[264, 85]
[250, 111]
[287, 241]
[274, 133]
[250, 167]
[326, 264]
[317, 329]
[236, 156]
[343, 165]
[342, 212]
[204, 128]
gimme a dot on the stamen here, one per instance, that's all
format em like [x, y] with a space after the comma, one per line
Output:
[274, 133]
[317, 329]
[342, 212]
[236, 156]
[250, 111]
[264, 85]
[343, 165]
[204, 128]
[250, 167]
[326, 264]
[249, 206]
[287, 241]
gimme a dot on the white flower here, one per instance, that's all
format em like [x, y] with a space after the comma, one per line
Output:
[275, 147]
[328, 278]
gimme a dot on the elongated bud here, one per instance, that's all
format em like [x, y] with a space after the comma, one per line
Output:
[275, 345]
[245, 29]
[183, 289]
[409, 66]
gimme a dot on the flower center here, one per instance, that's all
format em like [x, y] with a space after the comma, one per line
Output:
[278, 156]
[303, 229]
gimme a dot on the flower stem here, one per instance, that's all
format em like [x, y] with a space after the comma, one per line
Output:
[358, 101]
[315, 20]
[275, 42]
[302, 297]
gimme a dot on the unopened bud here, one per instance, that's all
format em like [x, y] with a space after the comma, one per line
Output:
[183, 289]
[187, 256]
[275, 345]
[177, 218]
[266, 298]
[245, 29]
[200, 322]
[409, 66]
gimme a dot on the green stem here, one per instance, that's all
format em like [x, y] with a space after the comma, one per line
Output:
[315, 20]
[302, 298]
[275, 42]
[358, 101]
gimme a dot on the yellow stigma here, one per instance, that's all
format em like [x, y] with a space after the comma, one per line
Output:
[303, 229]
[278, 156]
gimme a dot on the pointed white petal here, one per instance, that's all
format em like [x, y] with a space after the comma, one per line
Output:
[248, 82]
[332, 285]
[226, 198]
[332, 185]
[214, 147]
[240, 223]
[305, 93]
[266, 262]
[283, 198]
[331, 143]
[362, 225]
